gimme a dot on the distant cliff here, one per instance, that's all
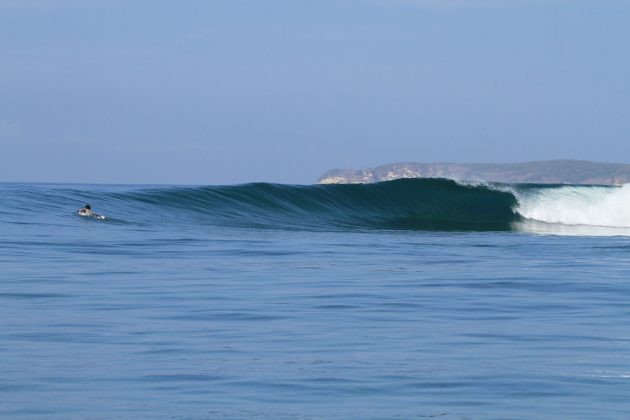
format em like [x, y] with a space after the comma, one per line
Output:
[543, 172]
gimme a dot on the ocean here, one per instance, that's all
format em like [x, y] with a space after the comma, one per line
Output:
[421, 298]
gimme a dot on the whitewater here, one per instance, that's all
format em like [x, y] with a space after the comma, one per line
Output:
[577, 205]
[415, 298]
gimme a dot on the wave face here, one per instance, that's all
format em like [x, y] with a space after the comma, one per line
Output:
[419, 204]
[411, 204]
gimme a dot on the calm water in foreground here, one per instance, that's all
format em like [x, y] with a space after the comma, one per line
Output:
[151, 317]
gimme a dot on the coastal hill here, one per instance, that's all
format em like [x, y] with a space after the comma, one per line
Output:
[540, 172]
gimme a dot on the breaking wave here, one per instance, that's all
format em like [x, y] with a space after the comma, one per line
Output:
[410, 204]
[577, 205]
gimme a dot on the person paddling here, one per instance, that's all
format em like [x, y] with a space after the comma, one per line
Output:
[86, 211]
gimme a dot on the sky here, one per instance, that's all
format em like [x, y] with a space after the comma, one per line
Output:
[236, 91]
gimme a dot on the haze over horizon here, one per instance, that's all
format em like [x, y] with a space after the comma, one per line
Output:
[227, 92]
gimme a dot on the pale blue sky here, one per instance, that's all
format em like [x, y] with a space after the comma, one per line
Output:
[220, 92]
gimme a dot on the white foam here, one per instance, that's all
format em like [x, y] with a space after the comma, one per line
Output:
[577, 205]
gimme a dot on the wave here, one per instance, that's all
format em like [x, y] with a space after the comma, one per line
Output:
[410, 204]
[431, 204]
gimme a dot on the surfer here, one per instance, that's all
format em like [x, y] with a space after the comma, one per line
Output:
[86, 211]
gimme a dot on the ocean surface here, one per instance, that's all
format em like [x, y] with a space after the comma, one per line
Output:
[400, 300]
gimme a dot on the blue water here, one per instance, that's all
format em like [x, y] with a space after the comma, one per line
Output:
[168, 311]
